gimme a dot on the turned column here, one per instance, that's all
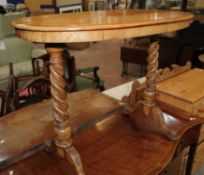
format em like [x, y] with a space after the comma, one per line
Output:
[150, 84]
[150, 107]
[142, 107]
[63, 129]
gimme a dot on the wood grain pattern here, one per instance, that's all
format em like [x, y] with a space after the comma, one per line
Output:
[106, 25]
[182, 86]
[111, 147]
[150, 83]
[184, 92]
[99, 25]
[35, 123]
[63, 130]
[150, 115]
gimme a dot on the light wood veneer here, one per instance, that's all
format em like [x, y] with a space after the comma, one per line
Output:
[99, 25]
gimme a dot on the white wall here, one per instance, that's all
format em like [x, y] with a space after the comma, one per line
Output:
[3, 2]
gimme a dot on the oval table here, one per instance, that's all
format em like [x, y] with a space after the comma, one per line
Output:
[118, 153]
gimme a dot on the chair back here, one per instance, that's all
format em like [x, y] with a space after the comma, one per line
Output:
[5, 23]
[38, 88]
[15, 50]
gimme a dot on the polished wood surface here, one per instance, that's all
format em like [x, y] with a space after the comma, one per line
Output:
[99, 25]
[33, 125]
[112, 147]
[181, 87]
[106, 25]
[184, 92]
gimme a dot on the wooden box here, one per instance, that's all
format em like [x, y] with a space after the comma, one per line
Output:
[184, 93]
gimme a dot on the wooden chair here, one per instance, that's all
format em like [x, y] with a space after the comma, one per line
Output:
[30, 88]
[6, 96]
[185, 45]
[133, 55]
[134, 51]
[77, 79]
[34, 88]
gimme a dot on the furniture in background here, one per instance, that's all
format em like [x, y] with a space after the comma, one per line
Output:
[6, 96]
[15, 1]
[63, 6]
[183, 44]
[80, 79]
[120, 4]
[97, 4]
[34, 8]
[77, 79]
[30, 89]
[201, 59]
[15, 50]
[17, 58]
[194, 6]
[137, 55]
[175, 49]
[134, 51]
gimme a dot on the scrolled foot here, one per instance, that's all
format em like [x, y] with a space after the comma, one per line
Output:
[159, 118]
[73, 157]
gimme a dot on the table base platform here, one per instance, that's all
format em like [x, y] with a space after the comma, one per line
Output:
[33, 125]
[113, 146]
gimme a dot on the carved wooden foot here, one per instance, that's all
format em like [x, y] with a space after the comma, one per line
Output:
[152, 123]
[158, 116]
[73, 156]
[63, 129]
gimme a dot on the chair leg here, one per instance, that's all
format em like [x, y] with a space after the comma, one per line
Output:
[124, 68]
[190, 159]
[102, 88]
[143, 70]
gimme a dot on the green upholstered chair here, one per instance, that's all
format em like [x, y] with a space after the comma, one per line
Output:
[14, 50]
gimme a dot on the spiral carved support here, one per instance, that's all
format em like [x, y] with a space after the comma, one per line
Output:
[150, 84]
[141, 103]
[149, 103]
[63, 129]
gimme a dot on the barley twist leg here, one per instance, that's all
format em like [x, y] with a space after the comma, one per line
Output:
[149, 104]
[63, 129]
[150, 84]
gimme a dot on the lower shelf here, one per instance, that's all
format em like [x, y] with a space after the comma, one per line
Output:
[113, 146]
[31, 126]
